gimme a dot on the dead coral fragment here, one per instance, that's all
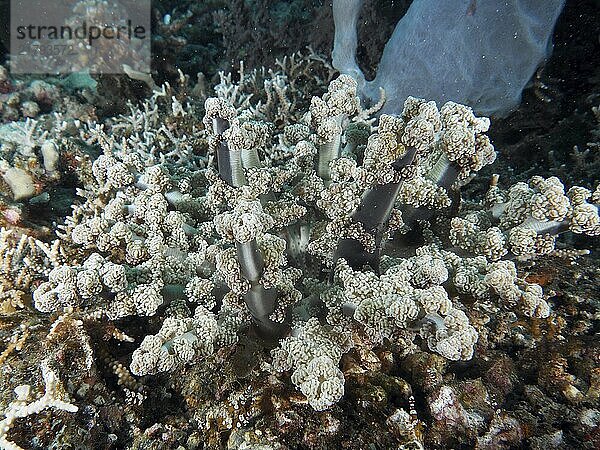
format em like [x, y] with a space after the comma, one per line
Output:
[53, 398]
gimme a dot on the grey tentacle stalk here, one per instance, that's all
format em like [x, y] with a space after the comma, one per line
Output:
[373, 214]
[260, 302]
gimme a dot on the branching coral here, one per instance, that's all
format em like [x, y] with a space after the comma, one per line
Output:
[25, 261]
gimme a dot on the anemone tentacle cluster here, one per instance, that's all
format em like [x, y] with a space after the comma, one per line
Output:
[294, 231]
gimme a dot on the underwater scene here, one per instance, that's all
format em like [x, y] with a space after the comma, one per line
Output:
[299, 224]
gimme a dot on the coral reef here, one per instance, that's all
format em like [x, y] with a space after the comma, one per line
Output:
[23, 97]
[212, 36]
[271, 267]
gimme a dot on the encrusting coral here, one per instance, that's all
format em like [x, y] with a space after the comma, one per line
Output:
[294, 234]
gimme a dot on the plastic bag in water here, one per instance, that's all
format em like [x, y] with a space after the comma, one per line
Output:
[477, 52]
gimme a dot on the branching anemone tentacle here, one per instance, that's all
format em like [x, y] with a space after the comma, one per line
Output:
[373, 214]
[261, 302]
